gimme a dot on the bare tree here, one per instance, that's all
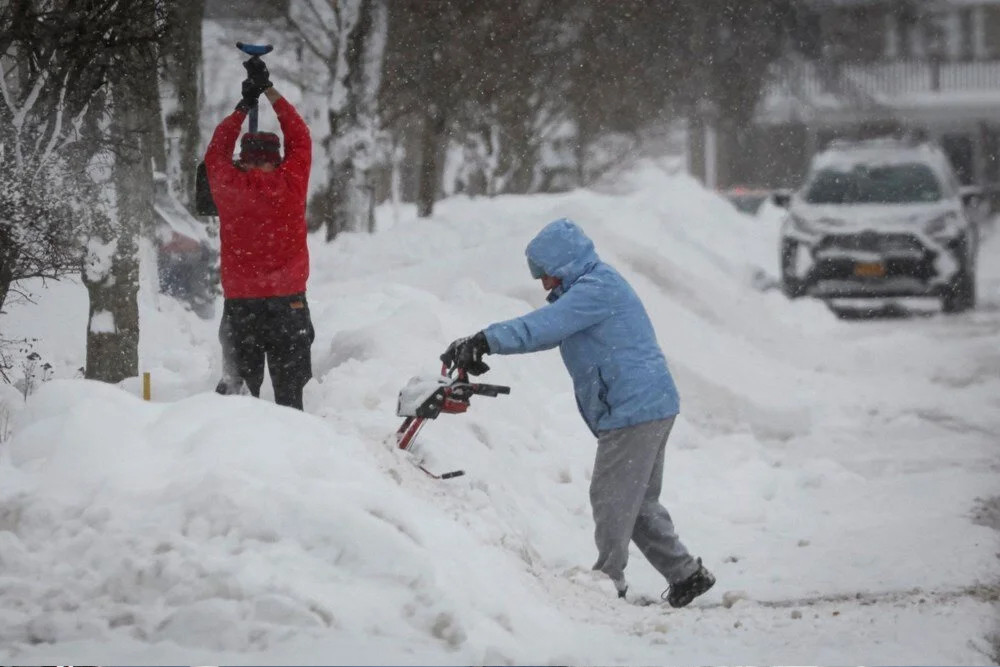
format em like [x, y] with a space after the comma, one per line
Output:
[469, 73]
[126, 123]
[510, 98]
[425, 76]
[33, 217]
[48, 76]
[37, 218]
[76, 102]
[731, 51]
[348, 37]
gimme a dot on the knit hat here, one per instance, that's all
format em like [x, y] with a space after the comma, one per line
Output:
[258, 147]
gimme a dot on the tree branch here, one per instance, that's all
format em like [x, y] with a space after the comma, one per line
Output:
[324, 58]
[57, 126]
[335, 6]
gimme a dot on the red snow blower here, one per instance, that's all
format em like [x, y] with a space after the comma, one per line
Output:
[425, 397]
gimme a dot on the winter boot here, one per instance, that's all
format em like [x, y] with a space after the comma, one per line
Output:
[681, 593]
[229, 386]
[621, 586]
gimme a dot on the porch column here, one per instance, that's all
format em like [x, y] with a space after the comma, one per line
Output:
[709, 116]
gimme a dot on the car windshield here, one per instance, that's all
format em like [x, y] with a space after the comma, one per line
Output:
[883, 184]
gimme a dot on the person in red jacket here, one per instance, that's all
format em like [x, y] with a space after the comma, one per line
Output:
[261, 200]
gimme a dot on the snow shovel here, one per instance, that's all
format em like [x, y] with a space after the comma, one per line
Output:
[204, 203]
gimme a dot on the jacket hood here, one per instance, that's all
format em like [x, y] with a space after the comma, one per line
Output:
[563, 251]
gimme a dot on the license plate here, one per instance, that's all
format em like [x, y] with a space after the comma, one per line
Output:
[869, 270]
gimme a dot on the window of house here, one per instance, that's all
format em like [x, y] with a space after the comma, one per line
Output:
[991, 30]
[858, 33]
[936, 35]
[916, 44]
[869, 32]
[966, 35]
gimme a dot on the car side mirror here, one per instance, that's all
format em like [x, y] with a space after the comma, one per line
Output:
[781, 198]
[971, 195]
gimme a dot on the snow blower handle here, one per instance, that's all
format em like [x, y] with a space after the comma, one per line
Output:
[255, 51]
[480, 388]
[489, 389]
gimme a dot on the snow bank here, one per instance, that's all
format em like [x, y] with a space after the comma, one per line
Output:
[228, 524]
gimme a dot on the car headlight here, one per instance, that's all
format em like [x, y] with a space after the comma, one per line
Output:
[943, 226]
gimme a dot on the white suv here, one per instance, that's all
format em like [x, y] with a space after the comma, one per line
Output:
[882, 218]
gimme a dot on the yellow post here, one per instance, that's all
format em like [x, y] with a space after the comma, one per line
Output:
[145, 386]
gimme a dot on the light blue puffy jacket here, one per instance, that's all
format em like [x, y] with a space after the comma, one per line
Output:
[607, 342]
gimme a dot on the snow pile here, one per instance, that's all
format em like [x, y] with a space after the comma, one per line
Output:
[227, 523]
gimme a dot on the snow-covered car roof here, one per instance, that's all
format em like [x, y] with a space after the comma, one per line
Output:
[847, 156]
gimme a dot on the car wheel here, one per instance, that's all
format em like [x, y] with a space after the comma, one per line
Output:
[791, 286]
[961, 294]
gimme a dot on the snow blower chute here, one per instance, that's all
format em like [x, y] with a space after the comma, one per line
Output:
[425, 397]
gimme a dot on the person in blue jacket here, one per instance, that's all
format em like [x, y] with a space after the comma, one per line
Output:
[624, 392]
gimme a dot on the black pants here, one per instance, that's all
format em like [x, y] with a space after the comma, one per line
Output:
[277, 329]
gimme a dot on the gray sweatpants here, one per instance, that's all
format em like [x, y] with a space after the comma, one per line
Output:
[625, 497]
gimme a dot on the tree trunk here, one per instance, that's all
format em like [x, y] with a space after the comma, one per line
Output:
[587, 131]
[352, 193]
[113, 323]
[430, 144]
[113, 329]
[182, 71]
[8, 255]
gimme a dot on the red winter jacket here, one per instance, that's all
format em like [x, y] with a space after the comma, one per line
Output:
[262, 215]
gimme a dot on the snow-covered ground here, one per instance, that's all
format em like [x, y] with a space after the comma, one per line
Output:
[837, 476]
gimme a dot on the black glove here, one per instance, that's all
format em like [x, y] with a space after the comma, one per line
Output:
[258, 80]
[250, 94]
[257, 73]
[467, 354]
